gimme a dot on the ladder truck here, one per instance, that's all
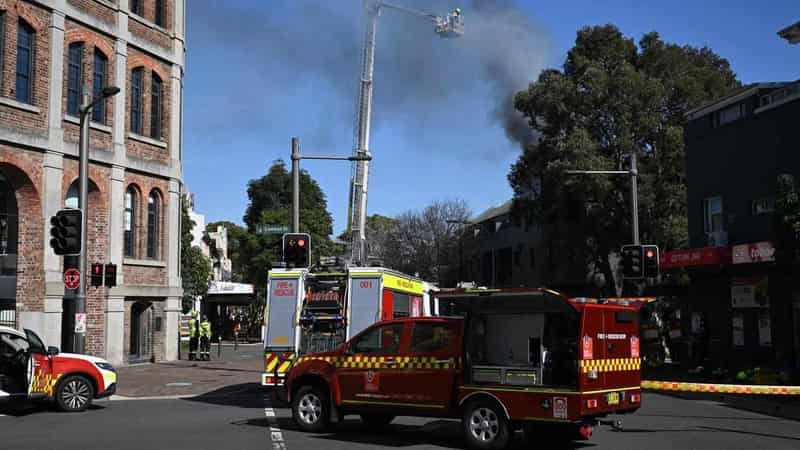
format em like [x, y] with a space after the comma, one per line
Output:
[448, 26]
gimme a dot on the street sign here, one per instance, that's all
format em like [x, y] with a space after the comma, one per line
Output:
[272, 229]
[80, 322]
[72, 278]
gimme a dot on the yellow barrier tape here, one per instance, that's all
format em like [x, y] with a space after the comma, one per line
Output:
[754, 389]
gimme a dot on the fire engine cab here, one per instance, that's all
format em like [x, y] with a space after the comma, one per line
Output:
[29, 371]
[498, 359]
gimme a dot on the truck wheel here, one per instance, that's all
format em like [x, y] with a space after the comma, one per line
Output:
[485, 425]
[74, 394]
[310, 409]
[376, 421]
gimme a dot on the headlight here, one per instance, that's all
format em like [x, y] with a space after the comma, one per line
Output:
[105, 366]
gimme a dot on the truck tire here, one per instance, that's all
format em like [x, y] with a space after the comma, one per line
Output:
[311, 409]
[376, 421]
[485, 426]
[74, 394]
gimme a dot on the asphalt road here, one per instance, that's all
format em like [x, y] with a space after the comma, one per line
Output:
[241, 417]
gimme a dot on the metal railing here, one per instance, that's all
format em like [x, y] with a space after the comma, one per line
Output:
[8, 318]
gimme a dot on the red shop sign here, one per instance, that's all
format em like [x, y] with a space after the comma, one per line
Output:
[705, 256]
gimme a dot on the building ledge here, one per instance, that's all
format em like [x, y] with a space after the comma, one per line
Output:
[19, 105]
[93, 125]
[144, 262]
[147, 140]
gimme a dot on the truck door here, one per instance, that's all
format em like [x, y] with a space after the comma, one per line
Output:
[364, 306]
[592, 351]
[370, 373]
[279, 340]
[621, 343]
[433, 351]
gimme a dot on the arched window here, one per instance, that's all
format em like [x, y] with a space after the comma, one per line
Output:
[156, 96]
[129, 219]
[74, 78]
[99, 71]
[25, 48]
[137, 88]
[153, 218]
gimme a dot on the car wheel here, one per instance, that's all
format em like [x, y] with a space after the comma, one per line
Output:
[74, 394]
[376, 421]
[485, 425]
[310, 409]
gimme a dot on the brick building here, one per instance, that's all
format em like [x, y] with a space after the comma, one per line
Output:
[49, 49]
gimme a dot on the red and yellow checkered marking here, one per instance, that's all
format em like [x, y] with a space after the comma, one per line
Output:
[380, 362]
[44, 384]
[610, 365]
[279, 362]
[720, 388]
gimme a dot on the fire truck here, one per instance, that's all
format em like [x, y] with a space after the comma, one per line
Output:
[310, 311]
[498, 359]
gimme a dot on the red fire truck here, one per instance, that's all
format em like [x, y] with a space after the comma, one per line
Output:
[497, 359]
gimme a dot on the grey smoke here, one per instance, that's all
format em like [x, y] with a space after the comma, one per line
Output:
[417, 74]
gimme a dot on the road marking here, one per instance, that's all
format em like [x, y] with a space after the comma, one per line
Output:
[275, 434]
[162, 397]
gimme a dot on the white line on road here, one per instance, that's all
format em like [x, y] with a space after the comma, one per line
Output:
[162, 397]
[275, 434]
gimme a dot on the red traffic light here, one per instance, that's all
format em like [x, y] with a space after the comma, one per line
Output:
[301, 243]
[650, 254]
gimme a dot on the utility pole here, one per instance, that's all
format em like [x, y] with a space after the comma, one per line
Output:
[295, 185]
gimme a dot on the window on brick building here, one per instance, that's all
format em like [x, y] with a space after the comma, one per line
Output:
[74, 75]
[137, 7]
[99, 75]
[25, 49]
[129, 219]
[156, 101]
[160, 13]
[153, 217]
[137, 88]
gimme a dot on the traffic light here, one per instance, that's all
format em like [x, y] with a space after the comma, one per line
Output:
[111, 275]
[651, 262]
[297, 249]
[97, 275]
[632, 261]
[66, 232]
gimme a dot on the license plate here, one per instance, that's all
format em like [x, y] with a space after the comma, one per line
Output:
[613, 398]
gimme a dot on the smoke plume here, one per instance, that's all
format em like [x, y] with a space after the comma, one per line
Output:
[418, 76]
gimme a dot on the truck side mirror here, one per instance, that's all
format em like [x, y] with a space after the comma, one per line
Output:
[52, 351]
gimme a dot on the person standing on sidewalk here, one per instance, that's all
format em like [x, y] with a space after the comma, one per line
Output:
[194, 334]
[205, 339]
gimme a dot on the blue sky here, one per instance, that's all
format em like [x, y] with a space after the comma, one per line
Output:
[259, 72]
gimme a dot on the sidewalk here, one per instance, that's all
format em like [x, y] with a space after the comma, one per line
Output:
[191, 378]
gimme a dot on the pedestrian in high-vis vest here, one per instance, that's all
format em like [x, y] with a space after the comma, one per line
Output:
[194, 334]
[205, 339]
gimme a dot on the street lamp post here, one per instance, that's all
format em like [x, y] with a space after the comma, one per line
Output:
[87, 105]
[463, 223]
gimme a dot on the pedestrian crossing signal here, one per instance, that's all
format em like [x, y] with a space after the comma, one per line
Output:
[97, 275]
[297, 250]
[111, 275]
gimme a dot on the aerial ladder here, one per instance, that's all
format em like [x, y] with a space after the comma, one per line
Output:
[448, 26]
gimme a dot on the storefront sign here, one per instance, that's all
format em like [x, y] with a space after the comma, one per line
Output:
[749, 293]
[695, 257]
[753, 253]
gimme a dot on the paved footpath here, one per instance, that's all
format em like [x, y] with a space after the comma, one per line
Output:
[189, 378]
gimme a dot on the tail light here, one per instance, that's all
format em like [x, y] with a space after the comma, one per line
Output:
[591, 403]
[636, 398]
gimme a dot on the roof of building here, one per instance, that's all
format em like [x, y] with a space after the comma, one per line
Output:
[737, 95]
[493, 212]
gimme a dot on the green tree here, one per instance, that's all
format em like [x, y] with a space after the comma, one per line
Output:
[787, 221]
[610, 99]
[270, 204]
[195, 267]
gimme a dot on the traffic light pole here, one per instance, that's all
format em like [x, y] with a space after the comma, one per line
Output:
[634, 174]
[83, 205]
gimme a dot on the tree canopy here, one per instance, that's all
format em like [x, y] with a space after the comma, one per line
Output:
[612, 98]
[195, 267]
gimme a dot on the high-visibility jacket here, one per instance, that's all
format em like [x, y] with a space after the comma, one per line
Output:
[193, 328]
[205, 329]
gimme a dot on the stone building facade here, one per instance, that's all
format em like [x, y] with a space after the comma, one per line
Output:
[50, 50]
